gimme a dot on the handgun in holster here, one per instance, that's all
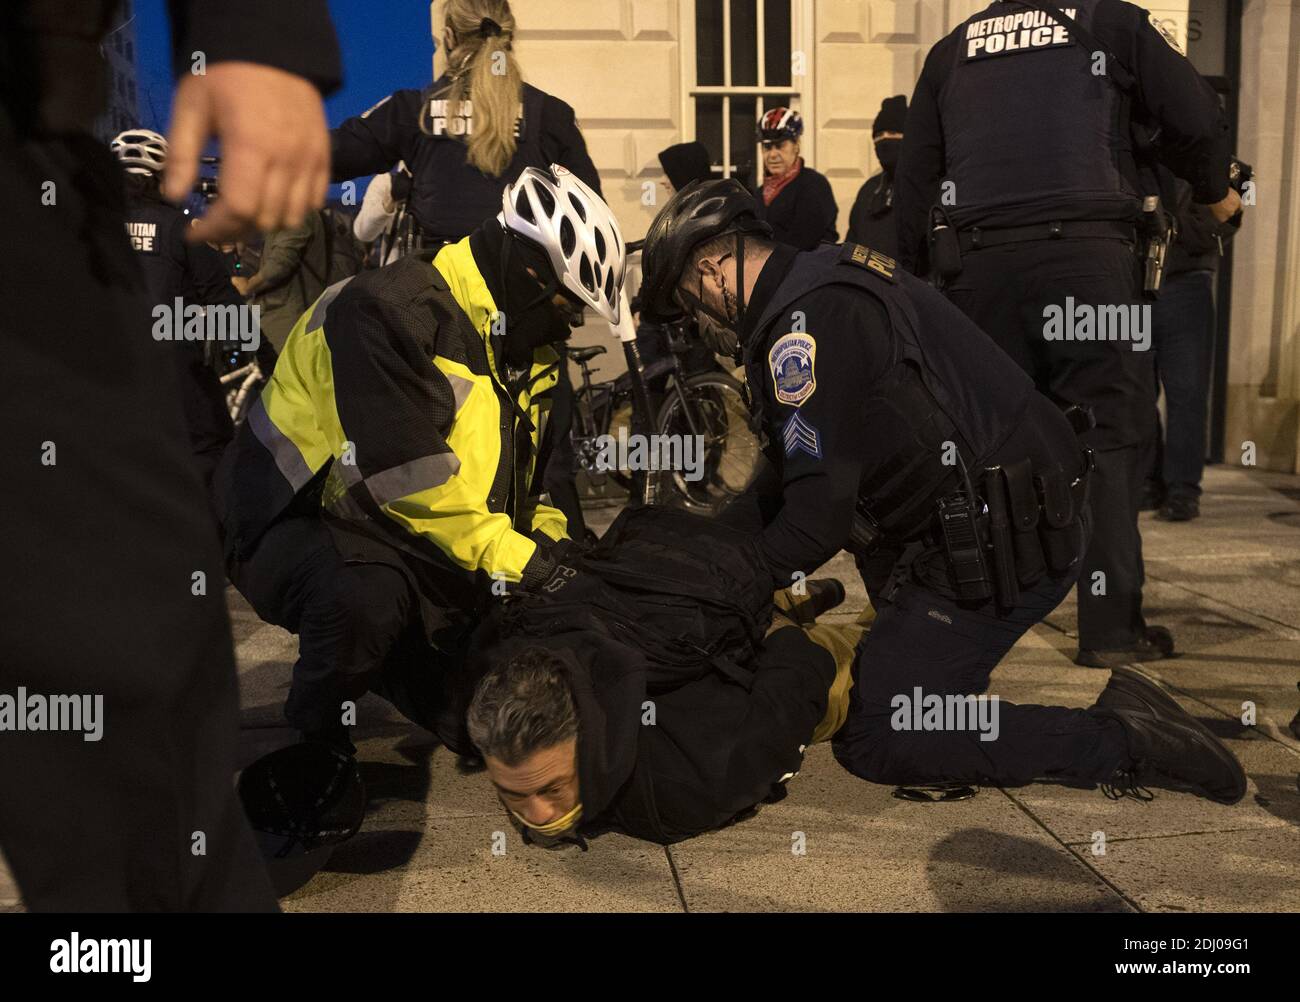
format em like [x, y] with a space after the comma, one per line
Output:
[1158, 230]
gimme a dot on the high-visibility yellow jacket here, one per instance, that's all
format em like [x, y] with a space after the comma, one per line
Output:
[388, 409]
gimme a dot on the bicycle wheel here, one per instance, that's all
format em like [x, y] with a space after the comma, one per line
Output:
[729, 442]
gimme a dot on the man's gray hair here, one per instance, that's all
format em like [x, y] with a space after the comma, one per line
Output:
[521, 707]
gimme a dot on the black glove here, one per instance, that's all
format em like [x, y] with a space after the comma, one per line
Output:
[551, 568]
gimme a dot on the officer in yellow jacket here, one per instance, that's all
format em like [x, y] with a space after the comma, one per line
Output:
[383, 486]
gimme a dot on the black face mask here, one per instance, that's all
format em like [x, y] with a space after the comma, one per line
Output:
[531, 319]
[887, 151]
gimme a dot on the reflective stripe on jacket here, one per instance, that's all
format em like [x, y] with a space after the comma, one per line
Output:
[387, 398]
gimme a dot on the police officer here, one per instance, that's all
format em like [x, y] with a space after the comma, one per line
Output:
[871, 220]
[175, 268]
[897, 431]
[795, 200]
[468, 134]
[389, 493]
[1018, 135]
[105, 515]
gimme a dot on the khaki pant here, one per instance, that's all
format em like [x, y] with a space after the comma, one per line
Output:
[839, 639]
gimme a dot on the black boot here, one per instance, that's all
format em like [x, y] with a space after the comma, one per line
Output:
[1179, 509]
[1155, 644]
[1170, 748]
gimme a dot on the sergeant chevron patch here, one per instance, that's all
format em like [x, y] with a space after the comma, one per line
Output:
[800, 436]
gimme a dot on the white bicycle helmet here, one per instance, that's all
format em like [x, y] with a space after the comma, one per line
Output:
[143, 151]
[576, 229]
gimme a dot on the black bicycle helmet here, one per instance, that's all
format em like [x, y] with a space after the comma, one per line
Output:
[301, 801]
[699, 212]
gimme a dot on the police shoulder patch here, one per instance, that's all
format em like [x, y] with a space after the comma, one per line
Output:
[793, 359]
[874, 261]
[1165, 33]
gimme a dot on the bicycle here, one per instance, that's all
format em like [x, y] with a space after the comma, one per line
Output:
[706, 407]
[238, 379]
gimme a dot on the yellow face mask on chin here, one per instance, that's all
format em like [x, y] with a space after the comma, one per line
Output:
[557, 827]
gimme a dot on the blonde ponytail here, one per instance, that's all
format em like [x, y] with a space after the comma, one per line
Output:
[484, 70]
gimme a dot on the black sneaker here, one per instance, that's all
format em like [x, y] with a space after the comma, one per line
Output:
[1295, 721]
[1170, 748]
[1179, 509]
[1155, 645]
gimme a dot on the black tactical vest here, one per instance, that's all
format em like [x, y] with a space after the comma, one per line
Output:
[450, 196]
[947, 383]
[1031, 132]
[152, 229]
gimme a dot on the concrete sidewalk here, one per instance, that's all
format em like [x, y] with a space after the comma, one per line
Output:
[1227, 584]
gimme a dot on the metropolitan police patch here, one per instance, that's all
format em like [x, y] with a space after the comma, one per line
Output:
[793, 360]
[1166, 33]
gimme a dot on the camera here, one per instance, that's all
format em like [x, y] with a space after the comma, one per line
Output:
[1240, 174]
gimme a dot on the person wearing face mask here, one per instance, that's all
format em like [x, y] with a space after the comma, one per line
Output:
[871, 222]
[898, 432]
[386, 480]
[585, 729]
[795, 200]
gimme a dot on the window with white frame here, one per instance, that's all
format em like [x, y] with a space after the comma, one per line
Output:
[740, 58]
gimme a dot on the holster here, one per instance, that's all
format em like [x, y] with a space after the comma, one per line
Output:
[945, 252]
[1061, 526]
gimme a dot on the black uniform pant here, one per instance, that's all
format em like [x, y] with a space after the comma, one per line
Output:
[1184, 335]
[348, 616]
[1006, 290]
[113, 585]
[922, 645]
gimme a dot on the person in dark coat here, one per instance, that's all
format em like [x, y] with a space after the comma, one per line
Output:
[795, 200]
[1183, 322]
[871, 222]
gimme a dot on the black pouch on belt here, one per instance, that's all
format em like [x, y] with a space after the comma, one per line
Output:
[945, 251]
[1023, 499]
[1060, 527]
[1005, 585]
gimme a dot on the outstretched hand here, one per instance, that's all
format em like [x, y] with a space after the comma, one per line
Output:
[274, 147]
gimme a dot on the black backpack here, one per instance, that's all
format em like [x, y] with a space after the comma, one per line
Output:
[688, 593]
